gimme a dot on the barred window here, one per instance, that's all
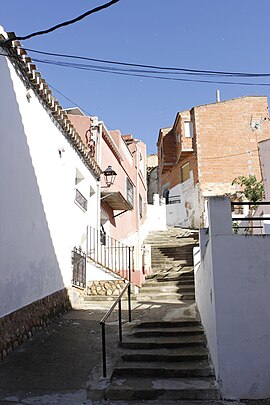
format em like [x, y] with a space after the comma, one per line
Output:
[140, 205]
[129, 192]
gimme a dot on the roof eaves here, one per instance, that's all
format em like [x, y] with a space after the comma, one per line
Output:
[111, 142]
[32, 78]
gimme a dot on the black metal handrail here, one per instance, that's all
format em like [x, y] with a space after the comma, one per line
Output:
[109, 253]
[106, 316]
[249, 226]
[250, 204]
[109, 312]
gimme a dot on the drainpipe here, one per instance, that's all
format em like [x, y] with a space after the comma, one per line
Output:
[99, 143]
[137, 203]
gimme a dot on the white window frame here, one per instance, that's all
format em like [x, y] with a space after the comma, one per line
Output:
[188, 129]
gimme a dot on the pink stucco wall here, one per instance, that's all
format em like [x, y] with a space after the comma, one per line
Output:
[127, 223]
[127, 157]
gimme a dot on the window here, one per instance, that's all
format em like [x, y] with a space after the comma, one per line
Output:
[80, 200]
[184, 172]
[80, 190]
[129, 192]
[140, 206]
[188, 129]
[141, 163]
[78, 177]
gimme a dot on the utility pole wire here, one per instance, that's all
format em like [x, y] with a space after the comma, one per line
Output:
[65, 23]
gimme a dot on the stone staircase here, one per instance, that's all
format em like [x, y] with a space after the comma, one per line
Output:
[163, 355]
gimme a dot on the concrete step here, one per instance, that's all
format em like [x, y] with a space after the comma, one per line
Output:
[164, 342]
[177, 253]
[176, 283]
[170, 274]
[135, 388]
[183, 271]
[174, 277]
[163, 297]
[167, 324]
[157, 287]
[183, 331]
[163, 369]
[166, 355]
[171, 260]
[157, 252]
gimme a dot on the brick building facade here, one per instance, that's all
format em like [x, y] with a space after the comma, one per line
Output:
[207, 147]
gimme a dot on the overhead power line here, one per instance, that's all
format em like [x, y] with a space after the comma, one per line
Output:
[169, 68]
[143, 75]
[65, 23]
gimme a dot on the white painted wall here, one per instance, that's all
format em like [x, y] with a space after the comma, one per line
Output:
[94, 273]
[187, 213]
[40, 223]
[232, 286]
[155, 216]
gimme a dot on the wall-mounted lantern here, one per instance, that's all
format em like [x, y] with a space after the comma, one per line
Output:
[109, 175]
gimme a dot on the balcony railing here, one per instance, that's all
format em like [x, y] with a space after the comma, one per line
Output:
[109, 253]
[255, 219]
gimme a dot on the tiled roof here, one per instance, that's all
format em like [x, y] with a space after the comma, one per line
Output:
[22, 61]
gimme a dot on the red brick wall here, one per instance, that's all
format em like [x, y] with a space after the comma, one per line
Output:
[172, 176]
[226, 143]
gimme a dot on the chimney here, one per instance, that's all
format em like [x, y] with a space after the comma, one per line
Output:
[218, 96]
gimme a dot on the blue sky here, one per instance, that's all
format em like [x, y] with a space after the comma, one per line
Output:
[227, 35]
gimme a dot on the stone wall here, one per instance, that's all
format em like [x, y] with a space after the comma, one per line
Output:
[105, 287]
[19, 326]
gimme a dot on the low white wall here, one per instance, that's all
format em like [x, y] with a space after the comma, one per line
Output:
[155, 217]
[232, 294]
[94, 273]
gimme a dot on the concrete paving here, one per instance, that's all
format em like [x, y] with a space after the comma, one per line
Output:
[61, 365]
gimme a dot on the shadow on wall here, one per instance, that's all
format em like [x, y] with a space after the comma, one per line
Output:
[29, 268]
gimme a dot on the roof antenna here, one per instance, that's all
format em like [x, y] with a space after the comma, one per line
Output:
[218, 96]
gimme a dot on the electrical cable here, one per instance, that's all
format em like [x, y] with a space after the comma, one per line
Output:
[71, 101]
[169, 68]
[233, 155]
[65, 23]
[124, 73]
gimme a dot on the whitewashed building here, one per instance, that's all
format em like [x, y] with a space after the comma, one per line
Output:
[49, 188]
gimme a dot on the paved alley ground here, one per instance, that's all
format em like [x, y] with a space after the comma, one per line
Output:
[61, 365]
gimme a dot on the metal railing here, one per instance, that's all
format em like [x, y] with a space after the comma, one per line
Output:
[106, 316]
[109, 253]
[174, 199]
[79, 267]
[249, 218]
